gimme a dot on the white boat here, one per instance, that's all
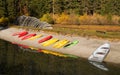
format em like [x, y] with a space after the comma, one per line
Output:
[99, 65]
[100, 53]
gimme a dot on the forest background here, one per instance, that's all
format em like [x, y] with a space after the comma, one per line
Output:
[68, 12]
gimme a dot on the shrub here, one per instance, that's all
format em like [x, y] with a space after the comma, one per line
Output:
[62, 19]
[116, 20]
[3, 20]
[47, 18]
[73, 19]
[68, 19]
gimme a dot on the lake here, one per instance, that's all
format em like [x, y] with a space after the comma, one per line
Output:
[17, 61]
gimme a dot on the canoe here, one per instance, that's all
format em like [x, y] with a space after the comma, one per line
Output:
[49, 42]
[61, 44]
[35, 37]
[19, 33]
[45, 39]
[71, 44]
[23, 34]
[28, 36]
[99, 65]
[100, 53]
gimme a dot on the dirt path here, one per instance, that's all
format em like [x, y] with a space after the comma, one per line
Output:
[83, 49]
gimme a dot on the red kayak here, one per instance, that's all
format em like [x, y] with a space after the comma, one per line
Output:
[19, 33]
[23, 34]
[44, 39]
[28, 36]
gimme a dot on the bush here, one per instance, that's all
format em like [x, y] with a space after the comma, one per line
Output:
[85, 19]
[97, 19]
[67, 19]
[3, 20]
[47, 18]
[62, 19]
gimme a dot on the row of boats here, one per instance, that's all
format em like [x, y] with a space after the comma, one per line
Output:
[47, 40]
[96, 58]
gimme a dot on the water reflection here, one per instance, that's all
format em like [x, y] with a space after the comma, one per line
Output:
[16, 61]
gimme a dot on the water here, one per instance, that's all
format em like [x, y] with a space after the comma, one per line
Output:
[32, 22]
[16, 61]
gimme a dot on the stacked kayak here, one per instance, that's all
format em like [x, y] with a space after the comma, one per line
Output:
[35, 37]
[45, 39]
[28, 36]
[49, 42]
[60, 43]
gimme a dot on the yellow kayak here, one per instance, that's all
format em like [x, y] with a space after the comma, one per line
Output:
[60, 43]
[49, 42]
[35, 37]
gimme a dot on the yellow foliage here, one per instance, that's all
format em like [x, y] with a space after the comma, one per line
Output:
[62, 19]
[67, 19]
[47, 18]
[97, 19]
[115, 19]
[3, 20]
[73, 19]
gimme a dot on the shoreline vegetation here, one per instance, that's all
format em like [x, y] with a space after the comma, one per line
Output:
[111, 33]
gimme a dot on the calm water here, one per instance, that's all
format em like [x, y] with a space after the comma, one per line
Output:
[15, 61]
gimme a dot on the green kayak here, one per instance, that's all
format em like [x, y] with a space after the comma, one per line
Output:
[71, 44]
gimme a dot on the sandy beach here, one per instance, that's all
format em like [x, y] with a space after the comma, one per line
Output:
[84, 48]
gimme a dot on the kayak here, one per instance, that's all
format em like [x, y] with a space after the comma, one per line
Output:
[19, 33]
[56, 44]
[100, 53]
[61, 44]
[23, 34]
[45, 39]
[28, 36]
[72, 44]
[49, 42]
[35, 37]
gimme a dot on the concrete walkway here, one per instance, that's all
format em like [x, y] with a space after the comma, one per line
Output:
[84, 48]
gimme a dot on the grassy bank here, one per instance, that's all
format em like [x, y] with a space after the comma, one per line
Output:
[94, 31]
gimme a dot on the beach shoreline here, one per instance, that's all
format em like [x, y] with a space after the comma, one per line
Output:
[83, 49]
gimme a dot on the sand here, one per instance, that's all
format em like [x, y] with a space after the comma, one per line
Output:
[83, 49]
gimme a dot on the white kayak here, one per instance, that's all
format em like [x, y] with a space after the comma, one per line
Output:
[100, 53]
